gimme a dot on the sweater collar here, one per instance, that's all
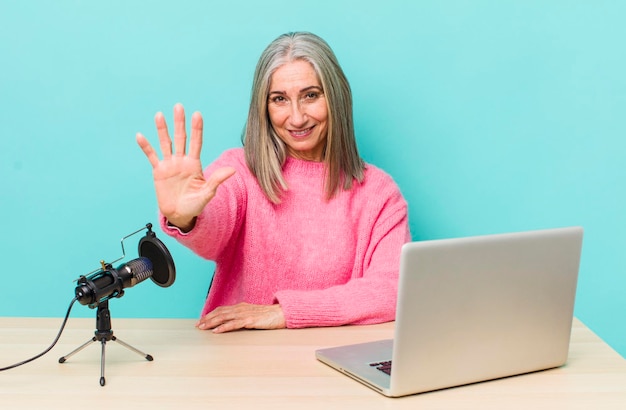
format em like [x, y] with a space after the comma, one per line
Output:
[300, 165]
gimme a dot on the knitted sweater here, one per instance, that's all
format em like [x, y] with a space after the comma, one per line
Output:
[326, 263]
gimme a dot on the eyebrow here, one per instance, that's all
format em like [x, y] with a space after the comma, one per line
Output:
[312, 87]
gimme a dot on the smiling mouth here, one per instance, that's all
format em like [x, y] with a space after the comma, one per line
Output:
[301, 133]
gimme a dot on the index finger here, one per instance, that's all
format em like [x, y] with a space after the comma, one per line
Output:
[164, 137]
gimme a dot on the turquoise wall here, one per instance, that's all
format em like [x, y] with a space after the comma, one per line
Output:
[493, 116]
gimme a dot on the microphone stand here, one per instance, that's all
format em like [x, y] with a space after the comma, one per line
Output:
[103, 334]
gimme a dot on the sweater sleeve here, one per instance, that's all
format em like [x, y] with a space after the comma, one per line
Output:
[370, 298]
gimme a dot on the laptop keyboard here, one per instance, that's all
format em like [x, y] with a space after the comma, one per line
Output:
[384, 367]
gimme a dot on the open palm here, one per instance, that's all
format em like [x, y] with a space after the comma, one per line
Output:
[182, 190]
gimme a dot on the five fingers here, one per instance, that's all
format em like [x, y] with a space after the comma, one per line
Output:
[180, 137]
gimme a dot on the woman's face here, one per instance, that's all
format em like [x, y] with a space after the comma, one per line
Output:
[297, 110]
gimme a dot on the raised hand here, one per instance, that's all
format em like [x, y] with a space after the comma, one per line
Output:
[182, 191]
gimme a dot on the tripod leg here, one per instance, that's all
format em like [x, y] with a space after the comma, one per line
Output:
[78, 349]
[103, 334]
[102, 361]
[139, 352]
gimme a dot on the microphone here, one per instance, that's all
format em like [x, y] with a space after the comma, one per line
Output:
[154, 262]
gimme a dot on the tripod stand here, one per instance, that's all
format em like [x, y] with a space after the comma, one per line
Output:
[103, 334]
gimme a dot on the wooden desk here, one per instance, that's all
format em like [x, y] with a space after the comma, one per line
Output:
[264, 370]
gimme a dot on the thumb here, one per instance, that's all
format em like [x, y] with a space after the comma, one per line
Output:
[218, 177]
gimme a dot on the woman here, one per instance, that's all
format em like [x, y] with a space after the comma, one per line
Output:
[302, 231]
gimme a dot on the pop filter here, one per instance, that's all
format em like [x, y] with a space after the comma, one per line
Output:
[164, 271]
[154, 262]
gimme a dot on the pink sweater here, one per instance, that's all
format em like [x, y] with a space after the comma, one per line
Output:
[327, 263]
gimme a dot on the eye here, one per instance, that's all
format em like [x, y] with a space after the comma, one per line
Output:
[278, 100]
[311, 95]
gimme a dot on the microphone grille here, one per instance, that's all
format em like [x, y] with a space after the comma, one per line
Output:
[141, 269]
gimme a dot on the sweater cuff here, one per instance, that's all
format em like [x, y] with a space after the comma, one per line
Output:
[299, 313]
[175, 231]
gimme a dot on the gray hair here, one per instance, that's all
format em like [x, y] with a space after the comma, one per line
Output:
[266, 152]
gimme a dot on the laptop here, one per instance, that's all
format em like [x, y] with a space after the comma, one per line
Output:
[470, 310]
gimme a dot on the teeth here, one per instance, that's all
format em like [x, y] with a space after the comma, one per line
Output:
[300, 133]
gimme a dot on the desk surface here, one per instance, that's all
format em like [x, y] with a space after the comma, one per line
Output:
[257, 369]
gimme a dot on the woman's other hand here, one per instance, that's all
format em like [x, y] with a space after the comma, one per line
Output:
[243, 316]
[182, 191]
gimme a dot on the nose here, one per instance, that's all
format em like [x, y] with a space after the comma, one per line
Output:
[297, 116]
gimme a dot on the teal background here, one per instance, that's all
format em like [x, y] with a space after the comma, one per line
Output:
[492, 116]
